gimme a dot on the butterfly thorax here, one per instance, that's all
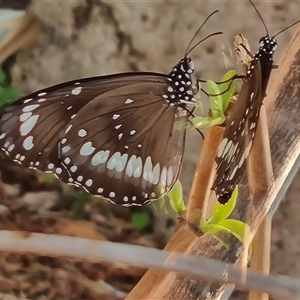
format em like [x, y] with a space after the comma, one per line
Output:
[267, 47]
[179, 92]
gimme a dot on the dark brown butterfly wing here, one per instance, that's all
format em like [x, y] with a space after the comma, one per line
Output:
[238, 135]
[130, 155]
[38, 129]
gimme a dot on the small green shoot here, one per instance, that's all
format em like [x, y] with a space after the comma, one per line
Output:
[176, 198]
[48, 177]
[140, 219]
[219, 223]
[229, 88]
[8, 94]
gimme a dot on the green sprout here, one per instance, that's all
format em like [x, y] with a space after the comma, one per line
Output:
[176, 198]
[140, 219]
[220, 96]
[8, 94]
[219, 222]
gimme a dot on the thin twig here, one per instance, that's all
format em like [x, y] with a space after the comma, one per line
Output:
[97, 251]
[260, 173]
[200, 191]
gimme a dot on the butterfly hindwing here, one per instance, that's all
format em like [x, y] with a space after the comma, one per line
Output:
[129, 155]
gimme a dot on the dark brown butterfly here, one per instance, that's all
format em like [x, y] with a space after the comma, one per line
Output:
[242, 123]
[112, 135]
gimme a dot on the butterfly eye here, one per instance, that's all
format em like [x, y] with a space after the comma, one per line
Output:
[191, 65]
[262, 42]
[275, 46]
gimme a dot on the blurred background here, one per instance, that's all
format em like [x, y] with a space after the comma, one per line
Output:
[47, 42]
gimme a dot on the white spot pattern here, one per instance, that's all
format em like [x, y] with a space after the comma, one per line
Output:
[87, 149]
[28, 143]
[128, 101]
[76, 91]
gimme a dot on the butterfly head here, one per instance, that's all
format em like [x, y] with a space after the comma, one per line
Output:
[267, 45]
[180, 89]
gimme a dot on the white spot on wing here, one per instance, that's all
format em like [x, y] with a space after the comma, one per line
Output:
[68, 128]
[148, 170]
[89, 183]
[30, 107]
[28, 125]
[73, 169]
[87, 149]
[170, 176]
[111, 164]
[128, 101]
[28, 143]
[156, 173]
[76, 91]
[82, 133]
[221, 147]
[25, 116]
[163, 176]
[100, 157]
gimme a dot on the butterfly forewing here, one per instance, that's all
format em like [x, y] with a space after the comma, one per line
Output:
[103, 134]
[238, 135]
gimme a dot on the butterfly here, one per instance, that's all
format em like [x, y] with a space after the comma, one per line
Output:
[111, 135]
[242, 123]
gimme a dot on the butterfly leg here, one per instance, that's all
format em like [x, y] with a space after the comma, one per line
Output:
[198, 86]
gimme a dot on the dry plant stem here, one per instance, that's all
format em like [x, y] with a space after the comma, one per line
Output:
[259, 176]
[283, 110]
[260, 258]
[24, 33]
[203, 178]
[192, 266]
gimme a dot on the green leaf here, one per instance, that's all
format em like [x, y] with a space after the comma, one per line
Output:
[214, 229]
[236, 227]
[8, 95]
[221, 211]
[160, 204]
[2, 77]
[216, 102]
[176, 198]
[230, 87]
[140, 219]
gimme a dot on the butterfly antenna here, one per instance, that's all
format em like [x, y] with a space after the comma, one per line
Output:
[207, 37]
[286, 28]
[262, 20]
[187, 51]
